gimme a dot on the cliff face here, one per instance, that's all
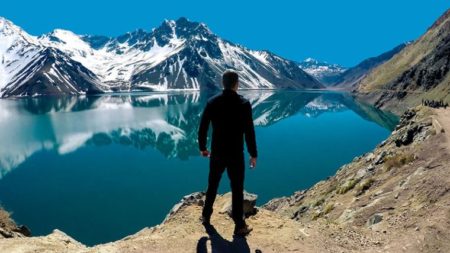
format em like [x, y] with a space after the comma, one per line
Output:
[380, 202]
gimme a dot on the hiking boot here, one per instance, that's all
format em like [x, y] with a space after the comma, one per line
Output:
[205, 220]
[242, 231]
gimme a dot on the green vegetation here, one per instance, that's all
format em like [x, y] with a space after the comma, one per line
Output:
[347, 186]
[328, 208]
[364, 186]
[318, 202]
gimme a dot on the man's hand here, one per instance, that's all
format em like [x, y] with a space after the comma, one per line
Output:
[205, 153]
[252, 162]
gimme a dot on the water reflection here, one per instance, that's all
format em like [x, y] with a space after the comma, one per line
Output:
[164, 121]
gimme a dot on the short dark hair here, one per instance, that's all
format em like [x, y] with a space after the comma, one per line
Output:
[229, 79]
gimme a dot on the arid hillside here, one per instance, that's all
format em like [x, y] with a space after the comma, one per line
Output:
[419, 71]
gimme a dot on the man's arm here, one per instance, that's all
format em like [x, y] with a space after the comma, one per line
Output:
[250, 138]
[203, 128]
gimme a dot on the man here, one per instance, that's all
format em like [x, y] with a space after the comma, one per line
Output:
[231, 118]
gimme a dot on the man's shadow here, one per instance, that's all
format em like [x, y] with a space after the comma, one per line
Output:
[219, 244]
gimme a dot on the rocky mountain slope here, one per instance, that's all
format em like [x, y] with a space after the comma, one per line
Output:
[380, 202]
[325, 72]
[178, 54]
[419, 71]
[350, 78]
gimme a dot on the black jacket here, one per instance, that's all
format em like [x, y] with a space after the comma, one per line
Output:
[231, 118]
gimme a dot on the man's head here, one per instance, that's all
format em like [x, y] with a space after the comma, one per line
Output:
[230, 80]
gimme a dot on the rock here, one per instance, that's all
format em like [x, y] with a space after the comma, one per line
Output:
[382, 144]
[361, 173]
[298, 196]
[19, 231]
[249, 204]
[405, 118]
[371, 168]
[407, 136]
[297, 214]
[374, 219]
[369, 157]
[24, 230]
[346, 216]
[196, 198]
[380, 158]
[5, 234]
[275, 204]
[284, 202]
[356, 159]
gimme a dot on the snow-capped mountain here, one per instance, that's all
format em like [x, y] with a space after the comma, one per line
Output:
[178, 54]
[325, 72]
[29, 68]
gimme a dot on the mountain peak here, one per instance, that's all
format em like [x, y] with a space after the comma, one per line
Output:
[309, 59]
[9, 29]
[5, 21]
[183, 28]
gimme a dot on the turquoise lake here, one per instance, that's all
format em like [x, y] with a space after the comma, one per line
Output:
[103, 167]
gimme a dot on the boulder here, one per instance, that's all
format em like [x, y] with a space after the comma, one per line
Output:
[374, 219]
[249, 204]
[407, 136]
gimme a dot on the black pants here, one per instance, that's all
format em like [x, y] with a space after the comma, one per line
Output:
[236, 173]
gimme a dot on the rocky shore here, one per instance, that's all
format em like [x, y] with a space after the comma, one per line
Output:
[393, 199]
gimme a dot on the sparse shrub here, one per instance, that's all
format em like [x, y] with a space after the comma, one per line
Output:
[347, 186]
[397, 161]
[364, 186]
[328, 208]
[5, 220]
[318, 202]
[316, 215]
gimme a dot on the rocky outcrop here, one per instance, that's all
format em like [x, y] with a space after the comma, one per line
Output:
[9, 229]
[198, 199]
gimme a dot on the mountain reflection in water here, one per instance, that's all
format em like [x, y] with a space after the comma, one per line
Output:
[165, 121]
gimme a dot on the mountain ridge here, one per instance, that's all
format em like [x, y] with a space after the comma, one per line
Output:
[325, 72]
[179, 54]
[351, 77]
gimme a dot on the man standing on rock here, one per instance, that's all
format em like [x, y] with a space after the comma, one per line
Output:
[231, 118]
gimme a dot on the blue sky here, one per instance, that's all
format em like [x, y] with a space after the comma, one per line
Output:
[344, 32]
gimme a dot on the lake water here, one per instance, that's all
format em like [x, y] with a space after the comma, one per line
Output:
[103, 167]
